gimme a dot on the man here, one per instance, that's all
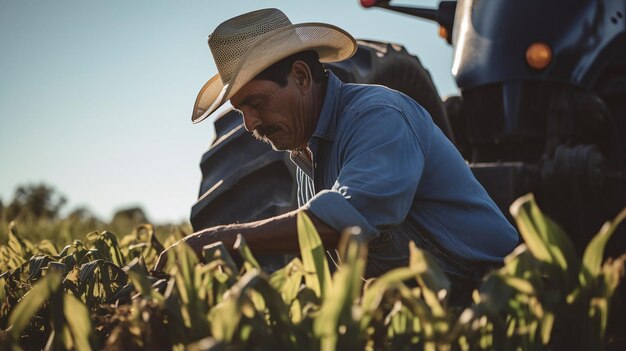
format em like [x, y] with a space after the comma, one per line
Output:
[366, 155]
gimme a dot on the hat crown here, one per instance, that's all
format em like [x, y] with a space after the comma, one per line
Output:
[232, 39]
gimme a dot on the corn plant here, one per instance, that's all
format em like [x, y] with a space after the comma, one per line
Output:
[98, 293]
[545, 294]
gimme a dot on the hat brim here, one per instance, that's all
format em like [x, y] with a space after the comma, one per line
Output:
[330, 42]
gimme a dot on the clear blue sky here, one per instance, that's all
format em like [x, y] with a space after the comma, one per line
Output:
[96, 96]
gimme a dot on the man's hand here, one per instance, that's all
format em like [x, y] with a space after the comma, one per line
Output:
[196, 241]
[275, 235]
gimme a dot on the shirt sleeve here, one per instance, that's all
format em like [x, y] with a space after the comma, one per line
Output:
[381, 162]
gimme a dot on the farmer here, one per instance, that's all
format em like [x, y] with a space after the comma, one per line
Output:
[367, 156]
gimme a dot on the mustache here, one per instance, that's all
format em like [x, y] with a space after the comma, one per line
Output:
[262, 132]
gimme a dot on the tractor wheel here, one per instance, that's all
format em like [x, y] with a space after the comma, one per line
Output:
[245, 180]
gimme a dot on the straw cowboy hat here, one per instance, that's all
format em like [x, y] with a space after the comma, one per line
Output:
[246, 45]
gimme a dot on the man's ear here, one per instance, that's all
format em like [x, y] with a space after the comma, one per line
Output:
[302, 76]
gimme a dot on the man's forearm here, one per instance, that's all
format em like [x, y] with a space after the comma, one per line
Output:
[276, 235]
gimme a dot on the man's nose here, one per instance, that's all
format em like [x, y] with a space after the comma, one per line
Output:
[250, 120]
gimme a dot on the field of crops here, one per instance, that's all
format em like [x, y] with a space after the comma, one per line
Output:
[100, 293]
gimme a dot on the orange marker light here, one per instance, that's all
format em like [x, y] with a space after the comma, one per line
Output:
[539, 55]
[443, 32]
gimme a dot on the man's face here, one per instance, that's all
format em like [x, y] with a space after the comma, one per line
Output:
[275, 114]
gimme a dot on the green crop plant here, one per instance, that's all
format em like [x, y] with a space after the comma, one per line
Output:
[99, 293]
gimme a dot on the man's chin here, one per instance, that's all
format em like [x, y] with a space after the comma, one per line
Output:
[275, 147]
[278, 147]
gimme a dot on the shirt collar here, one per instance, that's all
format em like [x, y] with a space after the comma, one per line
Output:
[325, 128]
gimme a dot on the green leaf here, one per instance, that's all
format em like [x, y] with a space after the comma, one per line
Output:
[139, 277]
[429, 274]
[36, 265]
[429, 313]
[520, 285]
[217, 251]
[223, 328]
[224, 318]
[531, 232]
[78, 320]
[277, 313]
[87, 272]
[599, 310]
[145, 233]
[592, 258]
[613, 271]
[67, 250]
[106, 244]
[98, 281]
[244, 250]
[288, 279]
[337, 310]
[3, 294]
[547, 323]
[373, 295]
[376, 290]
[31, 302]
[20, 250]
[143, 242]
[186, 259]
[187, 278]
[74, 253]
[547, 242]
[317, 274]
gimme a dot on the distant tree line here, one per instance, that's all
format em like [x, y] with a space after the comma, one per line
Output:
[42, 202]
[33, 202]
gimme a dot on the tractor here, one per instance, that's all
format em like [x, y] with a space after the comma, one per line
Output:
[542, 109]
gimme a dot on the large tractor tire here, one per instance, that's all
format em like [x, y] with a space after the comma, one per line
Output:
[245, 180]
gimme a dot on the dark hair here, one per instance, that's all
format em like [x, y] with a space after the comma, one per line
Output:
[278, 72]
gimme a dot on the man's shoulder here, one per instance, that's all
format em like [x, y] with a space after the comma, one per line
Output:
[360, 97]
[363, 101]
[377, 109]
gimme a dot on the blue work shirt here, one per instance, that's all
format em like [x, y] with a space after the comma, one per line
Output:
[380, 163]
